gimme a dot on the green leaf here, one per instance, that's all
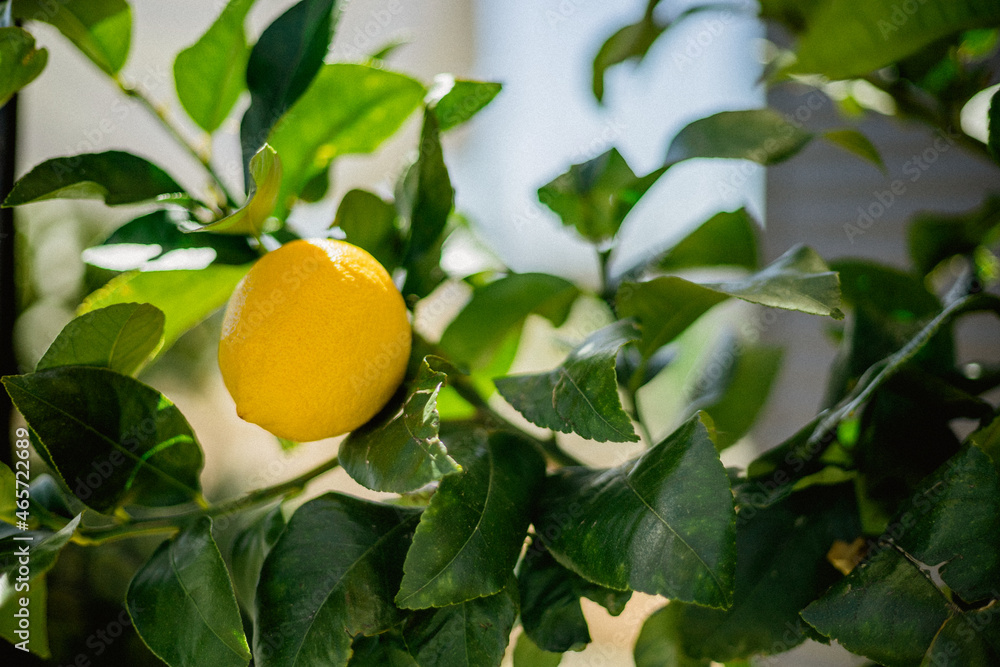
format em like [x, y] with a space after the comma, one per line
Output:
[185, 297]
[114, 176]
[527, 654]
[470, 536]
[331, 576]
[112, 440]
[781, 567]
[595, 196]
[211, 73]
[935, 237]
[474, 633]
[734, 387]
[43, 548]
[399, 450]
[669, 515]
[854, 142]
[971, 638]
[427, 196]
[249, 549]
[725, 239]
[387, 649]
[182, 604]
[20, 61]
[463, 100]
[666, 306]
[251, 219]
[660, 642]
[369, 222]
[794, 14]
[282, 64]
[101, 29]
[993, 123]
[855, 610]
[629, 43]
[161, 228]
[550, 602]
[38, 610]
[761, 135]
[499, 308]
[581, 394]
[371, 105]
[950, 524]
[844, 40]
[120, 337]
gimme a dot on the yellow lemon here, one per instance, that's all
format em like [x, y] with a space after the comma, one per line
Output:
[315, 340]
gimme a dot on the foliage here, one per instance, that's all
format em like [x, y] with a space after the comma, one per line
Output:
[877, 510]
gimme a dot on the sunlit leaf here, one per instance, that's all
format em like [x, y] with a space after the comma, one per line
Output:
[251, 219]
[669, 514]
[581, 394]
[101, 29]
[120, 337]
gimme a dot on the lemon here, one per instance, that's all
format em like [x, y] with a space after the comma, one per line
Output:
[315, 340]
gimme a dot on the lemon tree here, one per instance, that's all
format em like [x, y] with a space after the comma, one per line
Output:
[875, 525]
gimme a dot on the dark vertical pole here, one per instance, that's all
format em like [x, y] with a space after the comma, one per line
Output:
[8, 292]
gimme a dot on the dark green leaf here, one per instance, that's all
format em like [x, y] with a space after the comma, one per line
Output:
[43, 548]
[735, 387]
[595, 196]
[101, 29]
[371, 104]
[994, 126]
[211, 73]
[251, 219]
[581, 394]
[499, 308]
[185, 297]
[463, 100]
[470, 536]
[669, 515]
[527, 654]
[794, 14]
[331, 576]
[971, 638]
[182, 603]
[951, 524]
[20, 61]
[630, 43]
[120, 337]
[934, 237]
[387, 649]
[249, 549]
[113, 440]
[887, 586]
[844, 40]
[399, 450]
[781, 567]
[474, 633]
[660, 642]
[160, 228]
[853, 141]
[114, 176]
[725, 239]
[281, 66]
[369, 222]
[550, 602]
[666, 306]
[425, 196]
[761, 135]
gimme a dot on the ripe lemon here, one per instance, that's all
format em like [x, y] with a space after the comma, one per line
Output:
[315, 340]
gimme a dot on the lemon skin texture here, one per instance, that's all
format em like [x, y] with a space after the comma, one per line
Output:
[315, 340]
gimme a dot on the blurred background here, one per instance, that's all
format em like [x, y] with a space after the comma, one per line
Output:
[545, 119]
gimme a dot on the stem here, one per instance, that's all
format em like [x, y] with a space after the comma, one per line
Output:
[203, 159]
[172, 522]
